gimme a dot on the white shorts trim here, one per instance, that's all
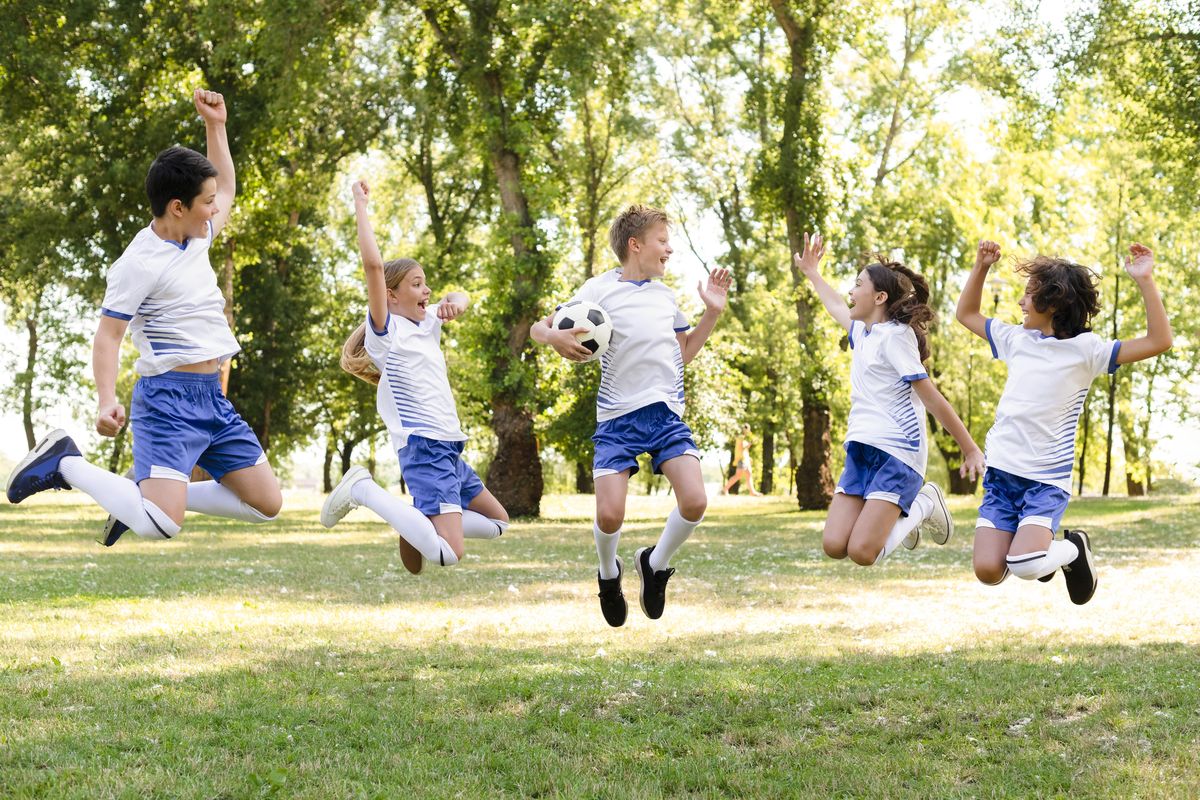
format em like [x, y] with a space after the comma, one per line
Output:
[1044, 522]
[167, 473]
[890, 497]
[600, 473]
[449, 508]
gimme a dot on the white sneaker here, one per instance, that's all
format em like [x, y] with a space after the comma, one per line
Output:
[341, 499]
[939, 525]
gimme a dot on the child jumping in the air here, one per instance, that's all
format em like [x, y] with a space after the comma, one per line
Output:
[164, 291]
[398, 348]
[640, 400]
[882, 500]
[1052, 359]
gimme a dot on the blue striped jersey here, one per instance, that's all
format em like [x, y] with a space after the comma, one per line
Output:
[1048, 382]
[414, 395]
[885, 412]
[643, 364]
[167, 292]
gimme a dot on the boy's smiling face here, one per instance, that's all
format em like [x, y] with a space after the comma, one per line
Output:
[194, 220]
[652, 250]
[411, 297]
[1035, 320]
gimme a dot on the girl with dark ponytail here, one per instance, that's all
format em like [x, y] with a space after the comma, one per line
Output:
[882, 500]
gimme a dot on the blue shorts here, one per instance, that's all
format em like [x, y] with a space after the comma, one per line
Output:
[1010, 501]
[181, 420]
[872, 474]
[653, 429]
[438, 479]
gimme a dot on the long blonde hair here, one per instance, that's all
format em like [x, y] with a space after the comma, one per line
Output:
[354, 352]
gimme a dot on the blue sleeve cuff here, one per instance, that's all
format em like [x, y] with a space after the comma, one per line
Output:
[108, 312]
[850, 335]
[683, 329]
[916, 376]
[1112, 359]
[377, 331]
[987, 329]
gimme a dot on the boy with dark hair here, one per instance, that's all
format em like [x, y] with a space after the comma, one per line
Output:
[163, 290]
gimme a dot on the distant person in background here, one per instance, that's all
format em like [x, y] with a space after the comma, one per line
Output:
[741, 456]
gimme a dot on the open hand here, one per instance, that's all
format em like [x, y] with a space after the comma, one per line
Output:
[1140, 262]
[564, 342]
[716, 292]
[210, 106]
[809, 259]
[972, 466]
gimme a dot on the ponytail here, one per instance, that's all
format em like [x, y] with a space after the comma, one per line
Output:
[908, 298]
[355, 359]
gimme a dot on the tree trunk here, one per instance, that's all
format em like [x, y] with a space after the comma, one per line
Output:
[584, 482]
[801, 198]
[347, 453]
[766, 481]
[515, 474]
[31, 325]
[1083, 448]
[327, 464]
[118, 448]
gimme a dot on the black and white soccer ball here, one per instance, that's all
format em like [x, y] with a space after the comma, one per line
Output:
[582, 314]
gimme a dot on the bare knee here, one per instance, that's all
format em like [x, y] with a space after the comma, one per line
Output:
[863, 554]
[834, 548]
[991, 574]
[501, 515]
[610, 516]
[459, 549]
[268, 506]
[692, 508]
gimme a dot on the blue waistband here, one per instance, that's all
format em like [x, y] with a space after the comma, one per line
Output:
[174, 376]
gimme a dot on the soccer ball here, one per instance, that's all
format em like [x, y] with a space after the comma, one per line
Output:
[582, 314]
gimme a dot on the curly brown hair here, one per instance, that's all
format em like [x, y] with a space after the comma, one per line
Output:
[1068, 289]
[908, 298]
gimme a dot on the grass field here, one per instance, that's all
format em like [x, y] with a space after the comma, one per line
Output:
[292, 661]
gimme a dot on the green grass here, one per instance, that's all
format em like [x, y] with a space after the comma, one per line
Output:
[291, 661]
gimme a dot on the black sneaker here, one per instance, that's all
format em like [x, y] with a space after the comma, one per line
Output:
[113, 530]
[1047, 578]
[612, 599]
[654, 584]
[1080, 574]
[38, 471]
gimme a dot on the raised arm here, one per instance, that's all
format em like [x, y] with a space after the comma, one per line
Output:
[968, 312]
[1140, 266]
[371, 259]
[211, 107]
[808, 262]
[714, 295]
[944, 413]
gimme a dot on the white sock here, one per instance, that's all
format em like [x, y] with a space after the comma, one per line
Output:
[1031, 566]
[118, 496]
[922, 508]
[411, 524]
[606, 549]
[675, 533]
[210, 497]
[477, 526]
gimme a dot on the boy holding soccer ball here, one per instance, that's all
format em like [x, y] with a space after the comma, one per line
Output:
[640, 401]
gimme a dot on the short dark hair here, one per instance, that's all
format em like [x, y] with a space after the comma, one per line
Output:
[176, 174]
[1069, 288]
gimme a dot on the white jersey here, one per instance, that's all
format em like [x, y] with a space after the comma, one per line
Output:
[414, 396]
[885, 412]
[643, 364]
[168, 293]
[1048, 381]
